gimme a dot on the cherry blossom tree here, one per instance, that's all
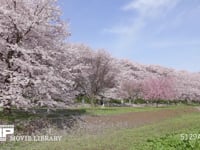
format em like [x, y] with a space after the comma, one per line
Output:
[188, 86]
[156, 89]
[31, 34]
[95, 75]
[130, 89]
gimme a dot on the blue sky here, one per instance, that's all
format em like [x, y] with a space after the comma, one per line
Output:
[163, 32]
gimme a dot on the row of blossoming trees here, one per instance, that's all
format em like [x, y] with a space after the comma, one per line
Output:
[150, 89]
[38, 68]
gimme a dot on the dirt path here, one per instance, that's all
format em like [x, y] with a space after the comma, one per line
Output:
[132, 119]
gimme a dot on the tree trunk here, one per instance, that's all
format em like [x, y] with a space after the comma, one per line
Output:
[83, 101]
[156, 104]
[122, 101]
[7, 110]
[129, 101]
[92, 101]
[103, 105]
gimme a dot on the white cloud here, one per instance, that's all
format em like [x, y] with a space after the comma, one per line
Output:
[143, 6]
[130, 30]
[150, 8]
[175, 43]
[147, 9]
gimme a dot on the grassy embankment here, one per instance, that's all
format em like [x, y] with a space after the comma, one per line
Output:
[164, 135]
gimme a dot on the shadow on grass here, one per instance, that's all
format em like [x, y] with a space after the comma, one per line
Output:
[35, 120]
[40, 113]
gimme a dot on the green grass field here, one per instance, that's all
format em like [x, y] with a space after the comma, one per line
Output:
[165, 135]
[121, 110]
[94, 111]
